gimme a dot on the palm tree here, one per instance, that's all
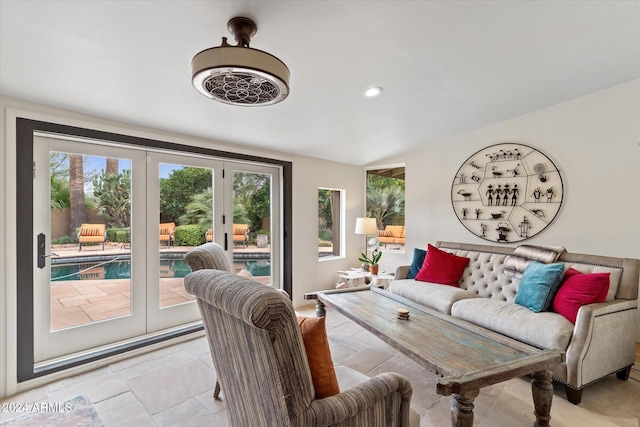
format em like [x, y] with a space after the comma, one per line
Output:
[199, 210]
[112, 166]
[78, 214]
[384, 203]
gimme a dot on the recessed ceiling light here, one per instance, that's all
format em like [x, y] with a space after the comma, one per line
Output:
[372, 92]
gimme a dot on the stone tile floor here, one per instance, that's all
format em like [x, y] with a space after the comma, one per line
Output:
[94, 298]
[173, 386]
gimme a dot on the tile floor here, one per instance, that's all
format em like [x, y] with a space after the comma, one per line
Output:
[173, 387]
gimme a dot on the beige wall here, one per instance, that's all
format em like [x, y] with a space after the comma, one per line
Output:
[60, 219]
[594, 141]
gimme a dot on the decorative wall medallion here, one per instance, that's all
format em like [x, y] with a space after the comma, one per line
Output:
[507, 193]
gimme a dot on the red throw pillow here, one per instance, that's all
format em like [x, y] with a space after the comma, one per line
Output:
[578, 289]
[316, 344]
[442, 267]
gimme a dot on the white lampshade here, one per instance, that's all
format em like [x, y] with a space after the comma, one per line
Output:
[366, 226]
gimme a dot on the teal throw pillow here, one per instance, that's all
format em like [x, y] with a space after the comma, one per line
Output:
[538, 285]
[416, 264]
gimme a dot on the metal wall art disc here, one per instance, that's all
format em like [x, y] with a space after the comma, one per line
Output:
[507, 193]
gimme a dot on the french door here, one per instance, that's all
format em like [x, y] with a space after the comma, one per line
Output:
[134, 214]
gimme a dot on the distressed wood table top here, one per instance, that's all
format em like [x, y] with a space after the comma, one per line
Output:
[465, 356]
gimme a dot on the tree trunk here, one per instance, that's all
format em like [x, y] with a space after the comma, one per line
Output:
[78, 214]
[112, 166]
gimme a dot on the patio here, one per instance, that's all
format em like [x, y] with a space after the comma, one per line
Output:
[94, 298]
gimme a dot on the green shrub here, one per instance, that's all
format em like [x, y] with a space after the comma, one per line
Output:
[64, 240]
[324, 243]
[325, 234]
[122, 236]
[188, 235]
[112, 233]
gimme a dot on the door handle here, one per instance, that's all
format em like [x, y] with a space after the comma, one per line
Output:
[42, 258]
[226, 244]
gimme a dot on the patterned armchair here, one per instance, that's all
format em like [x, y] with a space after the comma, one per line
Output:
[260, 359]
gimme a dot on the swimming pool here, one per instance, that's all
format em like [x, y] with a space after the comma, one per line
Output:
[121, 269]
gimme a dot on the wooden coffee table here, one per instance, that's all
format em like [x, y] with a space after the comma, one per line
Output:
[465, 356]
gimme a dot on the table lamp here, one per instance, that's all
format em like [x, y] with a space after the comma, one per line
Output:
[366, 226]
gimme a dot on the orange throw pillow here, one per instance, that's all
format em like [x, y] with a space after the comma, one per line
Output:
[316, 344]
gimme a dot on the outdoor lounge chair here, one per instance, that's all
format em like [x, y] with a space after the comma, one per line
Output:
[92, 233]
[261, 362]
[241, 234]
[166, 232]
[208, 236]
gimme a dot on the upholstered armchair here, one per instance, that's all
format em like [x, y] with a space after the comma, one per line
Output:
[259, 355]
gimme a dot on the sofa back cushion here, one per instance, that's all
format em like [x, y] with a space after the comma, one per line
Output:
[485, 273]
[485, 276]
[615, 275]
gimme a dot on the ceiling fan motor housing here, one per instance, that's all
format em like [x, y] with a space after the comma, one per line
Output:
[240, 75]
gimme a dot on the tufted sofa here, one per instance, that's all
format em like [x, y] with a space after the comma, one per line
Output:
[601, 342]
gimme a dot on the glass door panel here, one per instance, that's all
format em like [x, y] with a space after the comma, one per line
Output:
[255, 228]
[84, 286]
[181, 209]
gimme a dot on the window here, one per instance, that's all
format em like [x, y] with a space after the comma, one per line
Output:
[385, 203]
[330, 220]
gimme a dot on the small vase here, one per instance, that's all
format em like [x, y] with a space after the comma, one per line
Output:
[364, 266]
[374, 269]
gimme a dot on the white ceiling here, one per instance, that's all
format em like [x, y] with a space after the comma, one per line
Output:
[446, 67]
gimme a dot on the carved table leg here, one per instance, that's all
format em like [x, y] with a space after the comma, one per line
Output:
[542, 390]
[462, 408]
[320, 311]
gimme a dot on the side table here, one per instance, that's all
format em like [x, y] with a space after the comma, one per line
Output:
[355, 277]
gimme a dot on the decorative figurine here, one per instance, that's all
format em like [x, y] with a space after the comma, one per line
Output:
[538, 212]
[536, 194]
[550, 194]
[466, 195]
[502, 230]
[524, 227]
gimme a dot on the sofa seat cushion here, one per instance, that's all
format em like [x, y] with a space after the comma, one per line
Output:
[432, 295]
[546, 330]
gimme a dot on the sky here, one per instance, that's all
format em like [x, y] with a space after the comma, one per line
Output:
[96, 164]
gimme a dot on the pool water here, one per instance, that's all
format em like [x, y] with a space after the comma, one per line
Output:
[121, 269]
